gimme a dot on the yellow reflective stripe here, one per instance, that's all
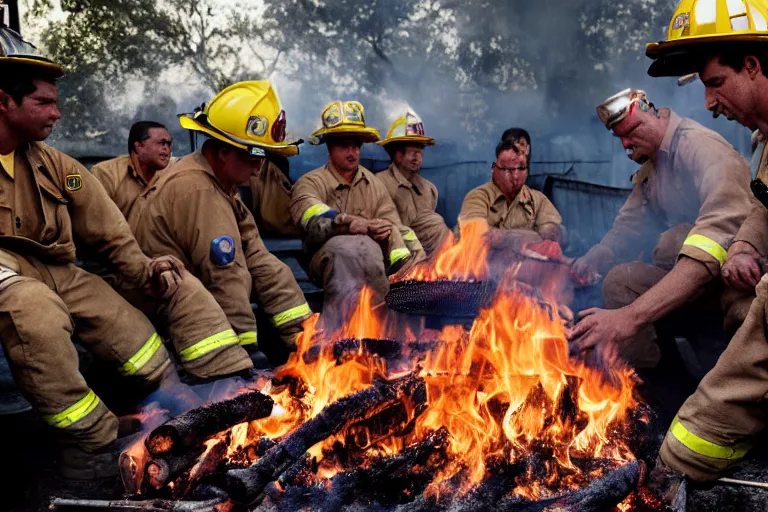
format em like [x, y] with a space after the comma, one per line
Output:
[291, 314]
[312, 211]
[410, 236]
[247, 338]
[74, 413]
[704, 447]
[398, 254]
[143, 356]
[707, 245]
[202, 347]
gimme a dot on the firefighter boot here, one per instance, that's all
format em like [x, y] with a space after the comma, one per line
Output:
[78, 464]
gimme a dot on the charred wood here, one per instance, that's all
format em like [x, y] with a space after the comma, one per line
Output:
[343, 350]
[206, 466]
[190, 429]
[246, 484]
[602, 494]
[161, 470]
[391, 480]
[139, 506]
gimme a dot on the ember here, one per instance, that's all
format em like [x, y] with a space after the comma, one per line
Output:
[386, 411]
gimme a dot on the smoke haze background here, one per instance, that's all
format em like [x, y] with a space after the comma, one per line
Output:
[469, 68]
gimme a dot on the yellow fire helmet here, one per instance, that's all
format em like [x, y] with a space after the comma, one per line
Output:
[247, 115]
[18, 54]
[699, 24]
[344, 118]
[407, 128]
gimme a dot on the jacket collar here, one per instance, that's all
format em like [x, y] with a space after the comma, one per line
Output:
[341, 182]
[674, 124]
[523, 197]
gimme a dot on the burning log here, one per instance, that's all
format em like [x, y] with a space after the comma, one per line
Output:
[205, 466]
[162, 470]
[192, 428]
[392, 479]
[602, 494]
[345, 349]
[246, 484]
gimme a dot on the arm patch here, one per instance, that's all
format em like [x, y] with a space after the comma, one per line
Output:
[222, 251]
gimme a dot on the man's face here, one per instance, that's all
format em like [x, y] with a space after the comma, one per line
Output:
[637, 136]
[510, 170]
[238, 165]
[344, 154]
[730, 93]
[34, 118]
[155, 152]
[409, 158]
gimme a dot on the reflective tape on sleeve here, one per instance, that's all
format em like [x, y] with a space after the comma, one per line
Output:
[707, 448]
[247, 338]
[410, 236]
[707, 245]
[143, 356]
[292, 314]
[74, 412]
[209, 344]
[314, 211]
[398, 254]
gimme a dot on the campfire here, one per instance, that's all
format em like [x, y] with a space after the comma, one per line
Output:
[389, 413]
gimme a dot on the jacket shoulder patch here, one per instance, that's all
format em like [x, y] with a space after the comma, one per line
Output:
[222, 252]
[74, 182]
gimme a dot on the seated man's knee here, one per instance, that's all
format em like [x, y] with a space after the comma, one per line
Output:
[617, 291]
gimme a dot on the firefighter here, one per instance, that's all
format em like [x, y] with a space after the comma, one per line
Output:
[48, 199]
[352, 233]
[506, 202]
[716, 425]
[271, 199]
[205, 343]
[689, 198]
[193, 210]
[414, 196]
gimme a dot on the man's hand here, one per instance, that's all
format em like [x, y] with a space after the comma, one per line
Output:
[379, 229]
[584, 272]
[352, 224]
[742, 268]
[602, 326]
[164, 276]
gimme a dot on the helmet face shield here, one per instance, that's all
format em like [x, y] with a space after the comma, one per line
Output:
[616, 108]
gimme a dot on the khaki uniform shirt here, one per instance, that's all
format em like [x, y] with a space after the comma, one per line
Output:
[696, 178]
[416, 202]
[271, 195]
[529, 210]
[121, 181]
[323, 191]
[53, 199]
[185, 210]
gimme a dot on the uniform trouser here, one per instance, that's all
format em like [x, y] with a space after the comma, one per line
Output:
[626, 282]
[344, 265]
[204, 341]
[41, 308]
[715, 425]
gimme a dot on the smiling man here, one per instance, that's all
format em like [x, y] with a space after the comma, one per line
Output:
[689, 198]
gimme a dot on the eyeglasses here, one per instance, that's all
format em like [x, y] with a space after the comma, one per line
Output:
[523, 168]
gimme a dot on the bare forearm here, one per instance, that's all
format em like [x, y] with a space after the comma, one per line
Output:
[683, 283]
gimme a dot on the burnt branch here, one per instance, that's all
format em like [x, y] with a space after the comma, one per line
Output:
[245, 485]
[192, 428]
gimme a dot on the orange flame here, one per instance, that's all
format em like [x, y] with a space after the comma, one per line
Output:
[463, 259]
[503, 389]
